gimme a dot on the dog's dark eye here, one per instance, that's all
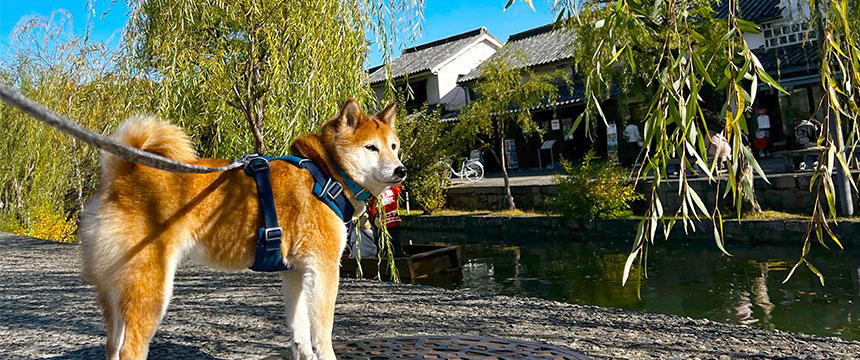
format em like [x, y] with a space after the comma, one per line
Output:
[371, 147]
[393, 146]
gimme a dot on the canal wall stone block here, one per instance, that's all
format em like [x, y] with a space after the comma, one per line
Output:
[540, 228]
[787, 181]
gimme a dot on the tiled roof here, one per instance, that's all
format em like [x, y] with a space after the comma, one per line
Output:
[790, 61]
[424, 57]
[751, 10]
[567, 96]
[541, 45]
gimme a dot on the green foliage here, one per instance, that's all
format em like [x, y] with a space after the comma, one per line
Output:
[45, 175]
[211, 66]
[593, 190]
[507, 94]
[42, 221]
[678, 57]
[837, 23]
[422, 145]
[279, 68]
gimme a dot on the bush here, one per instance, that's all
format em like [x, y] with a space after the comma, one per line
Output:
[421, 145]
[593, 190]
[45, 175]
[44, 221]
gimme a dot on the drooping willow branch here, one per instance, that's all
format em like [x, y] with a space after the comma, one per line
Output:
[835, 21]
[693, 48]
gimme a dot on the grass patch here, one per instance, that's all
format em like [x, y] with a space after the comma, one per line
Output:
[773, 215]
[449, 212]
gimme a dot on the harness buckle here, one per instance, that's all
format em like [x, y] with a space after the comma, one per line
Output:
[330, 185]
[272, 238]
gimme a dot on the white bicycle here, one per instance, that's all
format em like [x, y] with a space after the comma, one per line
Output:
[470, 169]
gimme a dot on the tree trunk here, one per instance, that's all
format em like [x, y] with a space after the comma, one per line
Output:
[259, 148]
[509, 199]
[254, 103]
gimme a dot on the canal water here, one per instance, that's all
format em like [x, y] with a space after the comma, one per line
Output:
[684, 279]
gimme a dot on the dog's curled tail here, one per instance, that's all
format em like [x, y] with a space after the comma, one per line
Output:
[149, 134]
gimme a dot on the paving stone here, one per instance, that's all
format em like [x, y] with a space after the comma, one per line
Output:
[48, 312]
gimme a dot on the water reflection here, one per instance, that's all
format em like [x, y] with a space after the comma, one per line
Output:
[685, 279]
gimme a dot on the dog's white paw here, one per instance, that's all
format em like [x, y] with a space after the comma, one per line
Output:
[325, 353]
[303, 351]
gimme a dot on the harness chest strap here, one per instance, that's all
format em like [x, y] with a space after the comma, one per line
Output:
[268, 257]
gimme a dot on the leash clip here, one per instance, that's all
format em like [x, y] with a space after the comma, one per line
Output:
[254, 163]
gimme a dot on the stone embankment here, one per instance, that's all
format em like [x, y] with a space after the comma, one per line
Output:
[462, 228]
[48, 312]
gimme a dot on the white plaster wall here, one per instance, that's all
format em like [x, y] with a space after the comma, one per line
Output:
[432, 90]
[794, 9]
[442, 85]
[754, 41]
[450, 94]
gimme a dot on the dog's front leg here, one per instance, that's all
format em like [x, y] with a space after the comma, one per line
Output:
[296, 305]
[321, 285]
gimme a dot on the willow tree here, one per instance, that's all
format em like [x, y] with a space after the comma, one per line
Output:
[43, 187]
[507, 93]
[278, 68]
[678, 56]
[213, 66]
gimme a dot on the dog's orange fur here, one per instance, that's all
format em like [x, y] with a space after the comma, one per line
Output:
[142, 222]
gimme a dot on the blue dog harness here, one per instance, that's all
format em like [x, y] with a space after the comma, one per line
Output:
[268, 257]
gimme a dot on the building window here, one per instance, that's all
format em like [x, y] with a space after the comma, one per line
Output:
[416, 93]
[782, 34]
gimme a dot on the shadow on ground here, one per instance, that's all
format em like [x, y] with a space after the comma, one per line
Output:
[156, 351]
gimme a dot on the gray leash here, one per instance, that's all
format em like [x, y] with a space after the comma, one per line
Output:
[117, 148]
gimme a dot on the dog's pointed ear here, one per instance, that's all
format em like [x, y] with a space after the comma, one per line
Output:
[387, 116]
[350, 114]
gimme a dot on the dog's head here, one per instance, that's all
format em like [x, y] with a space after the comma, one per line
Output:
[365, 147]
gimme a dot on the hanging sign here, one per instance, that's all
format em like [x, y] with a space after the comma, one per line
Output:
[511, 154]
[612, 143]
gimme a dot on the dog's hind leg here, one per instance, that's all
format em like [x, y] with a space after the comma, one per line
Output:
[296, 306]
[145, 294]
[321, 289]
[114, 327]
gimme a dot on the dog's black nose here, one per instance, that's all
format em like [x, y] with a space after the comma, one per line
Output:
[400, 172]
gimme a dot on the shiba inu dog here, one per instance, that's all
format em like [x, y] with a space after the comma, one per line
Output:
[143, 222]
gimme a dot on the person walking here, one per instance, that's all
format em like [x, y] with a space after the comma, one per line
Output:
[762, 133]
[634, 142]
[392, 219]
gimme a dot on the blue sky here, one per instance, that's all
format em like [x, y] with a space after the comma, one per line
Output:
[442, 18]
[104, 26]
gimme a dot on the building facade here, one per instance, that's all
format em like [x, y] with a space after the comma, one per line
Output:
[429, 72]
[444, 71]
[546, 49]
[788, 50]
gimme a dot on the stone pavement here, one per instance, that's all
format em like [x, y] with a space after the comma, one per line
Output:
[544, 177]
[48, 312]
[526, 180]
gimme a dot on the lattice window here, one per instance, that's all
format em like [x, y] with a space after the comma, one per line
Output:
[785, 33]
